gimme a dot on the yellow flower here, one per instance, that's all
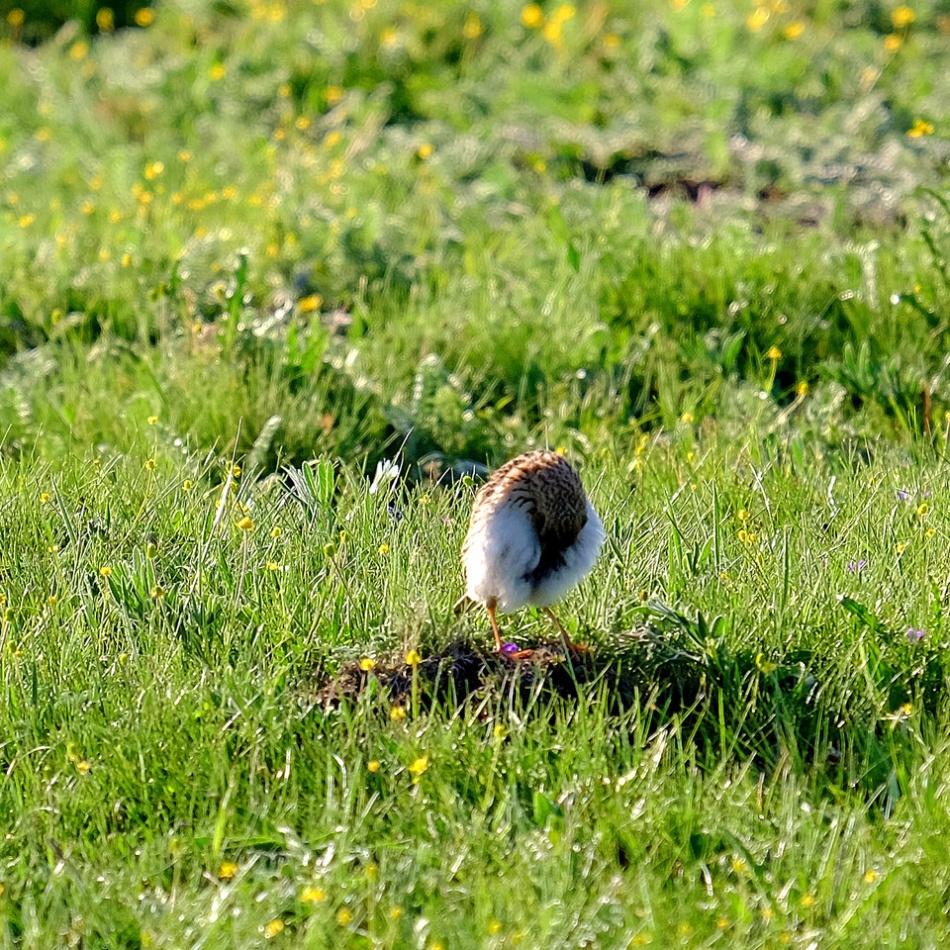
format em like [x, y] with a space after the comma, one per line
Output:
[419, 766]
[384, 549]
[892, 42]
[722, 923]
[686, 418]
[424, 151]
[246, 524]
[151, 550]
[218, 71]
[742, 514]
[902, 17]
[373, 765]
[313, 895]
[45, 498]
[473, 28]
[275, 531]
[765, 666]
[870, 876]
[774, 353]
[273, 566]
[494, 927]
[105, 570]
[757, 19]
[187, 485]
[532, 16]
[922, 509]
[920, 128]
[151, 464]
[79, 50]
[157, 592]
[367, 664]
[105, 20]
[793, 30]
[152, 420]
[413, 658]
[273, 928]
[332, 94]
[807, 900]
[310, 303]
[144, 16]
[397, 713]
[227, 870]
[26, 220]
[738, 865]
[344, 917]
[236, 471]
[500, 731]
[901, 547]
[153, 170]
[15, 17]
[802, 388]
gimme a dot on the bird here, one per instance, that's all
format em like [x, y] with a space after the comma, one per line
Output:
[533, 535]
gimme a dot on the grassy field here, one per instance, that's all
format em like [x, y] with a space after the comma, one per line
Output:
[252, 252]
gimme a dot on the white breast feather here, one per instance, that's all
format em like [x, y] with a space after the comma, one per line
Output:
[498, 557]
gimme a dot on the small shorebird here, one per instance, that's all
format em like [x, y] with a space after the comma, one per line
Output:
[532, 537]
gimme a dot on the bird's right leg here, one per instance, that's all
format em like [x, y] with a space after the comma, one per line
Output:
[490, 607]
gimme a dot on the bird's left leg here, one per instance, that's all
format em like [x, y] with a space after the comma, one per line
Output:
[573, 647]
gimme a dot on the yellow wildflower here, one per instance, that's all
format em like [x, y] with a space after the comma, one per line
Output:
[313, 895]
[413, 658]
[920, 128]
[367, 664]
[902, 17]
[144, 16]
[227, 870]
[419, 766]
[532, 16]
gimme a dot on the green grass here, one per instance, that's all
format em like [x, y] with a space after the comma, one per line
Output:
[250, 250]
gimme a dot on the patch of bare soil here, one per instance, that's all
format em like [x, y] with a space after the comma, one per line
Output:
[640, 664]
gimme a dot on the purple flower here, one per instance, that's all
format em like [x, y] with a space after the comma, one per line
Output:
[915, 636]
[857, 566]
[902, 495]
[509, 648]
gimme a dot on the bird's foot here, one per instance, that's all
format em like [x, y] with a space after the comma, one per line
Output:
[578, 649]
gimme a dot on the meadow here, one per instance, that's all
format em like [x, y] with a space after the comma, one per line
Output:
[281, 281]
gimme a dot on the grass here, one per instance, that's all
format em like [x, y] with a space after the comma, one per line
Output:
[701, 249]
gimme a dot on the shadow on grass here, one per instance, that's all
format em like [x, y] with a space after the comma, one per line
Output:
[677, 672]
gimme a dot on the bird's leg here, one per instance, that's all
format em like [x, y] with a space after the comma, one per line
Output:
[573, 647]
[490, 607]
